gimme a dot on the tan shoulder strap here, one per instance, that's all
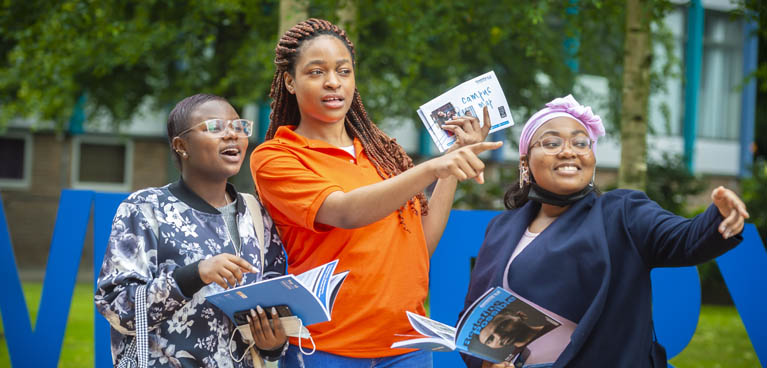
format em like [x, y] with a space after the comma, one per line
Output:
[258, 223]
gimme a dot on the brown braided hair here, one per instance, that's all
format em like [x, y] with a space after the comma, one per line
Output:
[388, 157]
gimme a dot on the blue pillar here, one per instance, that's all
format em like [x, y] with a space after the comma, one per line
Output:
[264, 109]
[748, 104]
[572, 42]
[693, 58]
[78, 115]
[424, 143]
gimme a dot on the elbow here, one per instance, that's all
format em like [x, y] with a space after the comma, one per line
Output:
[351, 221]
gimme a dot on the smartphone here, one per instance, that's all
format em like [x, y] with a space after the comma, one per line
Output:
[240, 318]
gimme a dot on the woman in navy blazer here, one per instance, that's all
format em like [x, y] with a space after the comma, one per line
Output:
[587, 256]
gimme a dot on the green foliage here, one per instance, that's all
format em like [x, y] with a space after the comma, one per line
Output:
[754, 191]
[51, 52]
[121, 52]
[670, 183]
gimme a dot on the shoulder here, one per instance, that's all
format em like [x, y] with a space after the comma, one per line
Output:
[270, 150]
[504, 218]
[623, 198]
[151, 196]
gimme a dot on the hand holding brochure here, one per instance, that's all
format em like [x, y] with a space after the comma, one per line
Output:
[310, 295]
[468, 98]
[498, 326]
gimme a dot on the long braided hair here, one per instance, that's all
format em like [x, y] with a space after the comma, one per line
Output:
[388, 157]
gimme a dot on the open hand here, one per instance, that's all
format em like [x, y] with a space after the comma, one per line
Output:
[224, 268]
[463, 163]
[467, 130]
[732, 208]
[267, 334]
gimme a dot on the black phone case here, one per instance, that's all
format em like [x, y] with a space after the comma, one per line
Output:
[240, 318]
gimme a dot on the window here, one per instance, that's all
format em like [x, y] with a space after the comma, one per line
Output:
[719, 98]
[15, 160]
[102, 163]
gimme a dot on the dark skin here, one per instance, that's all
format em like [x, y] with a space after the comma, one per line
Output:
[267, 335]
[324, 83]
[207, 161]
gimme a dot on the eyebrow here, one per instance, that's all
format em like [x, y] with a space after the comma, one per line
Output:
[556, 132]
[322, 62]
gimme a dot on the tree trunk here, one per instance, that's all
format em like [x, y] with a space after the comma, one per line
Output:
[632, 173]
[291, 13]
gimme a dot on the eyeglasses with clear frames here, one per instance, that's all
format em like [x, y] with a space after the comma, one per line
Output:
[581, 145]
[217, 127]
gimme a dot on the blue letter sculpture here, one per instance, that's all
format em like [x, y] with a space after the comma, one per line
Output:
[676, 291]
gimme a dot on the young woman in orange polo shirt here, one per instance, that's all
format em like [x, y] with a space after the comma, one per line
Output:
[339, 188]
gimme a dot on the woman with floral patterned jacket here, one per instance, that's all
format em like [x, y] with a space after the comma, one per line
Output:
[190, 239]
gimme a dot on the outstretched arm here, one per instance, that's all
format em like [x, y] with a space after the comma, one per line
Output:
[365, 205]
[467, 131]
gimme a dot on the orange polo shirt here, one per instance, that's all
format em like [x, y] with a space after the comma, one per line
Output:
[388, 265]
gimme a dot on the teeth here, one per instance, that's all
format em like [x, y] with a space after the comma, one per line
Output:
[567, 168]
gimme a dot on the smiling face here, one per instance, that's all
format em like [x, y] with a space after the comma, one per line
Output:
[323, 81]
[566, 172]
[209, 157]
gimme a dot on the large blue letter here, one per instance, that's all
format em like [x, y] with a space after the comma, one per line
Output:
[744, 270]
[42, 347]
[104, 208]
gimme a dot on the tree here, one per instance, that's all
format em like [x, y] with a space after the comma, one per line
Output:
[636, 89]
[121, 53]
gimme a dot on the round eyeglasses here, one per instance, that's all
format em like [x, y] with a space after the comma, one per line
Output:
[554, 145]
[217, 127]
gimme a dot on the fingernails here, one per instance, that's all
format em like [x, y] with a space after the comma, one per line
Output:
[274, 310]
[260, 310]
[253, 269]
[248, 318]
[252, 312]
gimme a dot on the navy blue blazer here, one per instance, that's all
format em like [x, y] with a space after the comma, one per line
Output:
[592, 266]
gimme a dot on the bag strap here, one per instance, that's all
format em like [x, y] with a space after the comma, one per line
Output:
[142, 330]
[258, 223]
[137, 353]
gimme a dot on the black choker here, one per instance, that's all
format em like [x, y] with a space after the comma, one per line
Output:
[541, 195]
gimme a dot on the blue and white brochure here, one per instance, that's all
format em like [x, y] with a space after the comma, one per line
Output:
[310, 295]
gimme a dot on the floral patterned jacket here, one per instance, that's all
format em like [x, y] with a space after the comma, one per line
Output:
[155, 232]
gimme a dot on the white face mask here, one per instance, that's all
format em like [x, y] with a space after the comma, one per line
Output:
[293, 326]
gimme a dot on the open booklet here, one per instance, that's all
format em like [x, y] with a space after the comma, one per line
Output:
[467, 98]
[498, 326]
[309, 296]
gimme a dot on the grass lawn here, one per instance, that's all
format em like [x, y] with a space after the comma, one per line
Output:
[720, 340]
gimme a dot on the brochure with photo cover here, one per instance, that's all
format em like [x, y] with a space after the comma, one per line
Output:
[498, 326]
[309, 296]
[467, 98]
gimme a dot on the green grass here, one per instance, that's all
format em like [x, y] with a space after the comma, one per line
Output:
[77, 349]
[720, 340]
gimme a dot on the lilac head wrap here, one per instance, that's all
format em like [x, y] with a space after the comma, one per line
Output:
[565, 106]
